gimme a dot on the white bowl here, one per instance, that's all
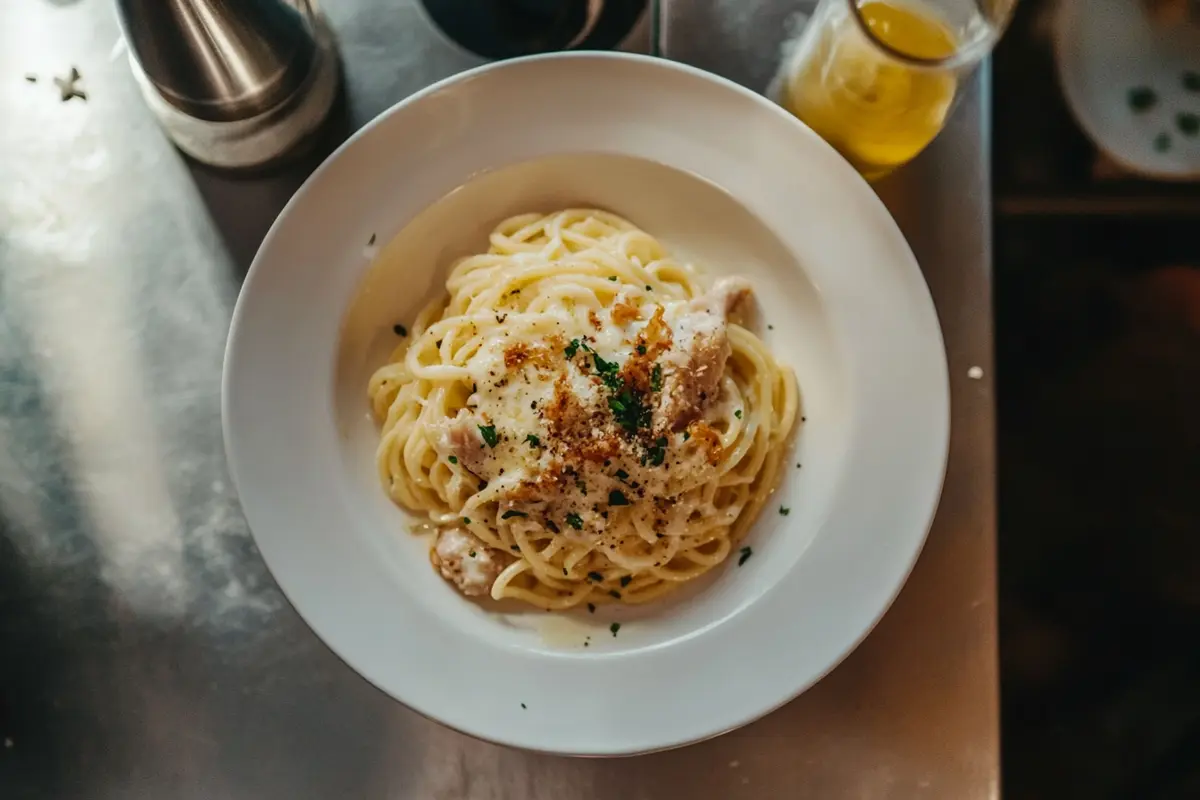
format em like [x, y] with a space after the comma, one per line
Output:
[725, 178]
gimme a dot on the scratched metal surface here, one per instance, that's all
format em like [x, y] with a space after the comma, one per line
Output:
[145, 651]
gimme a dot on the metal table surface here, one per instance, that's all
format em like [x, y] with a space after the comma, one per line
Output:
[144, 650]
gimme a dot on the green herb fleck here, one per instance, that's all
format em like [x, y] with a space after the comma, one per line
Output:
[687, 435]
[622, 474]
[466, 520]
[471, 554]
[453, 459]
[591, 608]
[533, 440]
[1191, 80]
[572, 348]
[612, 277]
[512, 512]
[523, 705]
[595, 576]
[489, 435]
[629, 410]
[616, 626]
[617, 498]
[658, 452]
[581, 486]
[399, 330]
[575, 521]
[614, 593]
[641, 348]
[1162, 142]
[1188, 123]
[770, 327]
[371, 241]
[746, 553]
[656, 378]
[626, 580]
[784, 511]
[608, 371]
[1142, 98]
[550, 526]
[648, 289]
[738, 413]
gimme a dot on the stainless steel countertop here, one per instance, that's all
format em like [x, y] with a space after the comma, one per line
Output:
[145, 651]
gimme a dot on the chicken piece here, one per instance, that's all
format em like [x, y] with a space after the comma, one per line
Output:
[466, 562]
[461, 438]
[694, 366]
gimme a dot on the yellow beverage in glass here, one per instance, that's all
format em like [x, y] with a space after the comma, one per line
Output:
[878, 95]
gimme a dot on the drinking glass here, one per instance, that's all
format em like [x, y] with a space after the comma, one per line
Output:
[877, 78]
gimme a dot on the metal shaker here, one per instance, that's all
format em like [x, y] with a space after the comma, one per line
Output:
[235, 83]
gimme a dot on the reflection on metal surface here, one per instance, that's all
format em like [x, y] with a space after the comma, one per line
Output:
[120, 264]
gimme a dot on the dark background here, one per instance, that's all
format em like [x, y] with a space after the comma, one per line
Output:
[1098, 360]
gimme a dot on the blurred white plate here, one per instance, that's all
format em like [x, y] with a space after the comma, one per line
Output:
[1110, 55]
[727, 179]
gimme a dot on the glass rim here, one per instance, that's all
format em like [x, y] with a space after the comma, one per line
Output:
[962, 56]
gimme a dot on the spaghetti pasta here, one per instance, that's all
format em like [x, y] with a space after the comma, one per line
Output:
[580, 417]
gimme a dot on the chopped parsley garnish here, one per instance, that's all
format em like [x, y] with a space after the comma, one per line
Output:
[648, 289]
[608, 371]
[517, 548]
[550, 526]
[371, 241]
[453, 459]
[746, 553]
[575, 521]
[738, 413]
[612, 277]
[595, 576]
[658, 452]
[617, 498]
[656, 378]
[784, 511]
[626, 580]
[466, 520]
[513, 513]
[615, 593]
[591, 608]
[523, 705]
[399, 330]
[1142, 98]
[770, 327]
[581, 486]
[630, 412]
[533, 440]
[489, 435]
[471, 554]
[622, 474]
[572, 348]
[641, 348]
[687, 435]
[616, 626]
